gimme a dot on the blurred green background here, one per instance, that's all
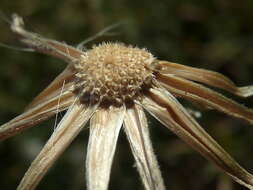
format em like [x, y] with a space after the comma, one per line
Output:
[215, 34]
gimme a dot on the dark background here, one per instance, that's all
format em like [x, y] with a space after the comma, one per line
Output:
[215, 34]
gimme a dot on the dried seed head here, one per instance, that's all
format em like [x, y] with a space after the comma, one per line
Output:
[113, 72]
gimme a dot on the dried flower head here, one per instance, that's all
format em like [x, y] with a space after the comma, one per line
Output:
[113, 73]
[111, 85]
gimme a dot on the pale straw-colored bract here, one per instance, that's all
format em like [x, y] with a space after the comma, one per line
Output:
[111, 85]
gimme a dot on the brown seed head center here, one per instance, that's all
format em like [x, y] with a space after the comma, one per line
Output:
[113, 72]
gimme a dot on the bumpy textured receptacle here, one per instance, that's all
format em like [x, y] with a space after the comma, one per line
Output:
[113, 72]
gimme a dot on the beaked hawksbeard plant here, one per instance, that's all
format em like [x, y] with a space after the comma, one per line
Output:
[112, 85]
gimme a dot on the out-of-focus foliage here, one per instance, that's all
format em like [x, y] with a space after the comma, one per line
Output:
[215, 34]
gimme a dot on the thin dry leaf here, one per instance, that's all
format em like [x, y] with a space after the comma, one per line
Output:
[69, 127]
[172, 115]
[204, 76]
[36, 115]
[104, 130]
[43, 45]
[136, 128]
[63, 82]
[205, 96]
